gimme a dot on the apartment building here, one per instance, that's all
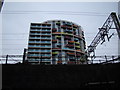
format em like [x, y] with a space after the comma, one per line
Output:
[56, 42]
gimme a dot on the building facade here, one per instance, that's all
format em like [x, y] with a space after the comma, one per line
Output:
[56, 42]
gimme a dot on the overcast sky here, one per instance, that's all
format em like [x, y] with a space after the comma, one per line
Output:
[16, 19]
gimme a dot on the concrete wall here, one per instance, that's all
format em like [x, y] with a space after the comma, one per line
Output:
[60, 76]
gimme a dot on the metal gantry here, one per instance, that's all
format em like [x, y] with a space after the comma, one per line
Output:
[104, 32]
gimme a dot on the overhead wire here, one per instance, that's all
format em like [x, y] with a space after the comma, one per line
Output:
[57, 12]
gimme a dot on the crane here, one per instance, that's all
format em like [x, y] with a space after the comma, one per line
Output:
[103, 32]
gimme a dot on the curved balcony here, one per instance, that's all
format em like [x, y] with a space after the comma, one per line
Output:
[78, 55]
[74, 32]
[56, 33]
[54, 41]
[74, 26]
[77, 47]
[55, 53]
[70, 34]
[68, 49]
[78, 36]
[71, 41]
[71, 54]
[54, 29]
[63, 26]
[79, 51]
[69, 45]
[68, 27]
[67, 37]
[77, 43]
[58, 45]
[58, 23]
[75, 39]
[70, 31]
[56, 48]
[68, 23]
[58, 37]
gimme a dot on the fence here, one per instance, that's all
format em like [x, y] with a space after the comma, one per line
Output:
[13, 59]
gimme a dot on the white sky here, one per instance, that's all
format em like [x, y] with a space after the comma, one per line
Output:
[16, 23]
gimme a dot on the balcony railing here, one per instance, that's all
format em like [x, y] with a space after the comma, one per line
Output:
[56, 48]
[75, 26]
[68, 31]
[78, 51]
[63, 33]
[58, 23]
[40, 33]
[39, 46]
[56, 32]
[39, 41]
[45, 37]
[71, 41]
[54, 29]
[58, 36]
[71, 53]
[70, 45]
[39, 55]
[40, 30]
[40, 26]
[67, 23]
[67, 49]
[66, 37]
[39, 60]
[77, 43]
[68, 34]
[76, 39]
[54, 40]
[54, 52]
[77, 46]
[78, 54]
[35, 50]
[40, 38]
[64, 26]
[34, 38]
[59, 44]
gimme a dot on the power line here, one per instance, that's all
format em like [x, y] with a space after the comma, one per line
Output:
[57, 12]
